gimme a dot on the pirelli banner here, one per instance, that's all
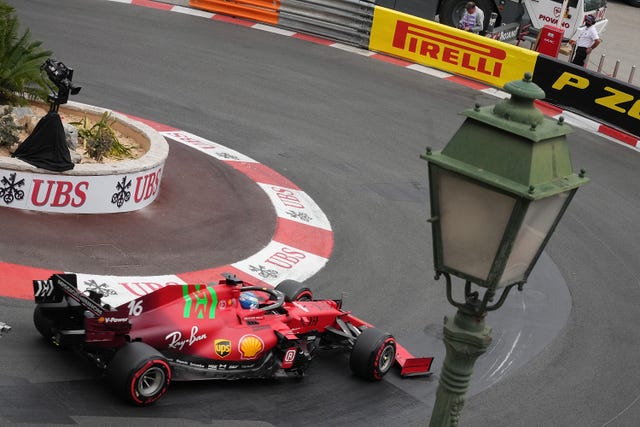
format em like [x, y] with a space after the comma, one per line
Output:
[575, 88]
[439, 46]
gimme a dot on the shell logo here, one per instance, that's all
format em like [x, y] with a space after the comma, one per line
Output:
[250, 346]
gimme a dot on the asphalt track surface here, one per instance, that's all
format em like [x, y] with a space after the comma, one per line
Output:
[186, 219]
[348, 130]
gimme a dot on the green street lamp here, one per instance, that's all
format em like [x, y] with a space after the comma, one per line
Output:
[497, 190]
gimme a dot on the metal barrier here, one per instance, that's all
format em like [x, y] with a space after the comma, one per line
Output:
[257, 10]
[347, 21]
[616, 68]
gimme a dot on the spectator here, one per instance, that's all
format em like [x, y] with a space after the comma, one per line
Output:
[473, 19]
[587, 41]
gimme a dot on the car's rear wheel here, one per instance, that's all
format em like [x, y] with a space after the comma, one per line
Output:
[139, 373]
[294, 291]
[43, 323]
[373, 354]
[60, 326]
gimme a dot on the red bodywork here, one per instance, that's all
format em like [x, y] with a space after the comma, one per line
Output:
[205, 333]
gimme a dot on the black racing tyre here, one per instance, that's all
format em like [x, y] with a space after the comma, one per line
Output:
[49, 321]
[294, 291]
[139, 373]
[634, 3]
[373, 354]
[43, 323]
[451, 11]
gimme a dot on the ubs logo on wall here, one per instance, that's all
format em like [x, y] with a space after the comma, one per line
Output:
[10, 190]
[122, 194]
[79, 194]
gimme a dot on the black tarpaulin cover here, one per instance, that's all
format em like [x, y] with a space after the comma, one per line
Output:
[46, 147]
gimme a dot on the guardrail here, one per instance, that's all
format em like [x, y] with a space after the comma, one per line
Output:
[257, 10]
[363, 24]
[589, 92]
[348, 21]
[616, 67]
[437, 46]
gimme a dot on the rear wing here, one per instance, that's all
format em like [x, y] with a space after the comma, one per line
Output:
[57, 286]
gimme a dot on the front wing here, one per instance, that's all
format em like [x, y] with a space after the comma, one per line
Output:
[410, 365]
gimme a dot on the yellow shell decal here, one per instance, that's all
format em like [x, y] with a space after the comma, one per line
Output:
[250, 346]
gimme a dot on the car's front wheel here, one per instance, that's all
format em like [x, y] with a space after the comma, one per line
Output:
[139, 373]
[373, 354]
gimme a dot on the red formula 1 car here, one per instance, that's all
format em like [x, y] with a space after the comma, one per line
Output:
[196, 332]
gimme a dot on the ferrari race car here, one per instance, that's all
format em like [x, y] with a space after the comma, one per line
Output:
[229, 330]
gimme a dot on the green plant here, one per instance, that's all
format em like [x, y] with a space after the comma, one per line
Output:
[9, 130]
[20, 61]
[101, 140]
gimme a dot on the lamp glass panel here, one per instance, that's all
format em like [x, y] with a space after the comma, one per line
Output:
[538, 221]
[473, 219]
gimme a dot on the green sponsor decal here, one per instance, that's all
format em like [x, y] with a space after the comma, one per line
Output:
[198, 299]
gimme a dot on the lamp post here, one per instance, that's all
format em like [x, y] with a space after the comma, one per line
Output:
[498, 190]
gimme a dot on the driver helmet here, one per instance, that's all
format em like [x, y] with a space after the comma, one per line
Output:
[248, 300]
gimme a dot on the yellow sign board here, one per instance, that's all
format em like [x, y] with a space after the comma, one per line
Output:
[439, 46]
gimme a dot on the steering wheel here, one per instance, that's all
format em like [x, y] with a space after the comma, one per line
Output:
[279, 296]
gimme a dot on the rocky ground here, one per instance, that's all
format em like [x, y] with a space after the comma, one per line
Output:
[28, 117]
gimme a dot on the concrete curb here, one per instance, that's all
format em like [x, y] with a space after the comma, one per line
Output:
[89, 188]
[300, 247]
